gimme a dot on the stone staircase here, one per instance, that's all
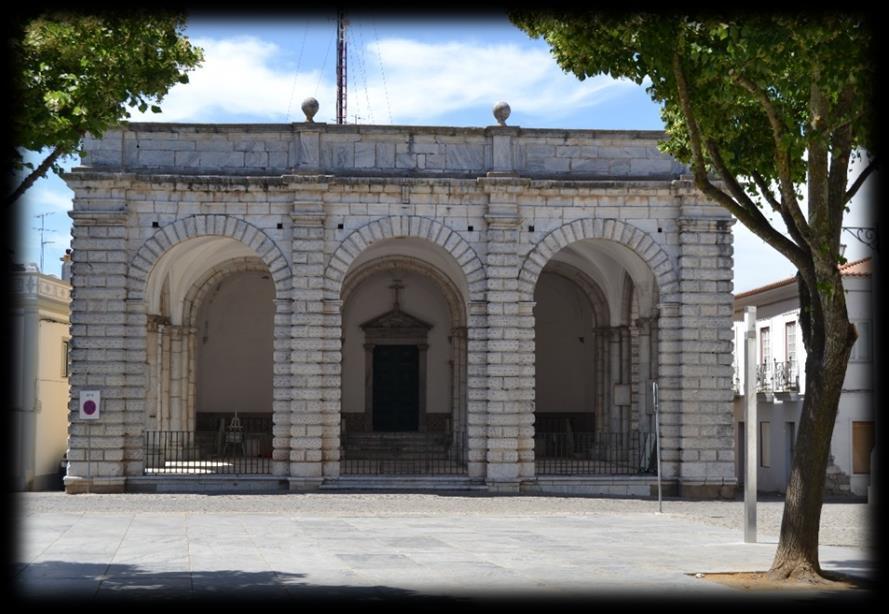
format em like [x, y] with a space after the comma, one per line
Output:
[396, 445]
[401, 454]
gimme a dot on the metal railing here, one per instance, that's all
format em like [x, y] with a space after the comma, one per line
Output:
[629, 453]
[403, 454]
[763, 378]
[786, 377]
[207, 452]
[777, 377]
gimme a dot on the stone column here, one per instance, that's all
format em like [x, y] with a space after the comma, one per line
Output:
[625, 380]
[477, 391]
[282, 385]
[24, 417]
[305, 426]
[600, 375]
[458, 379]
[104, 357]
[152, 417]
[669, 392]
[191, 378]
[614, 379]
[177, 367]
[510, 345]
[644, 376]
[164, 394]
[706, 438]
[331, 385]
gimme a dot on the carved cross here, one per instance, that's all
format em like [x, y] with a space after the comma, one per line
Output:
[396, 286]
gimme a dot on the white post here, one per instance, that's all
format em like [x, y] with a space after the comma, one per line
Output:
[657, 440]
[751, 429]
[89, 455]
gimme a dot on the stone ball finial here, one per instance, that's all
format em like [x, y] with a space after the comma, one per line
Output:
[310, 107]
[501, 112]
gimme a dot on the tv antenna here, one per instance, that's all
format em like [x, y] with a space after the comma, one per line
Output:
[43, 241]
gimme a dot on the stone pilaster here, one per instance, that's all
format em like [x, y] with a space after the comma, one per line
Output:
[706, 466]
[282, 387]
[669, 390]
[644, 374]
[308, 347]
[510, 347]
[331, 386]
[100, 450]
[477, 390]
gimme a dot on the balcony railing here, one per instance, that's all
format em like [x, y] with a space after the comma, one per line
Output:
[629, 453]
[777, 377]
[763, 377]
[403, 454]
[786, 378]
[207, 452]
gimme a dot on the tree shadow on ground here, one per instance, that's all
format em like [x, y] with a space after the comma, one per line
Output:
[67, 582]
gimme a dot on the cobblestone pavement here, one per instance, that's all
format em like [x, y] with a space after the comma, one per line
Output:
[842, 523]
[372, 546]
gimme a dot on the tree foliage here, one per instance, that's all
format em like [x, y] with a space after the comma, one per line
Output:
[760, 93]
[75, 74]
[761, 108]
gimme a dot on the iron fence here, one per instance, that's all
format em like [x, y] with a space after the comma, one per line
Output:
[207, 452]
[630, 453]
[763, 377]
[786, 376]
[403, 454]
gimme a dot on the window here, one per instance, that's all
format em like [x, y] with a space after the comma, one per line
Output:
[862, 444]
[765, 350]
[790, 342]
[66, 356]
[765, 440]
[861, 351]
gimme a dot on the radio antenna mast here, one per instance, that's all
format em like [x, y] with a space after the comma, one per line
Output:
[42, 229]
[341, 81]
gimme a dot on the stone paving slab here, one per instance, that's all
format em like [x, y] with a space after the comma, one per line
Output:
[202, 554]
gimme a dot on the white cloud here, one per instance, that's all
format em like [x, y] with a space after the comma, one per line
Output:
[235, 79]
[428, 80]
[46, 197]
[423, 82]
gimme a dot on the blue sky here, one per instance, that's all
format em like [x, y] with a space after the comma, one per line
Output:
[424, 70]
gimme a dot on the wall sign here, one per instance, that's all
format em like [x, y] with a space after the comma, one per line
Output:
[90, 401]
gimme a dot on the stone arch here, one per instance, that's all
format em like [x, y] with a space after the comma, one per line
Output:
[404, 226]
[202, 286]
[452, 294]
[624, 233]
[221, 225]
[590, 288]
[457, 317]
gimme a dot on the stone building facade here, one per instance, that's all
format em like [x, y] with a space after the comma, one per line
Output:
[536, 281]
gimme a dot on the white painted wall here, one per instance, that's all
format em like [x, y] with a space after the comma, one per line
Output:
[564, 364]
[420, 298]
[774, 309]
[234, 345]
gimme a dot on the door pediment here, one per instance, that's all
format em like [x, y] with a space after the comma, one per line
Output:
[395, 323]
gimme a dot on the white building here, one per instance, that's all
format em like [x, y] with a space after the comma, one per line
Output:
[781, 385]
[309, 305]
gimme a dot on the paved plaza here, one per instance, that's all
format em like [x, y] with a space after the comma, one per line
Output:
[371, 546]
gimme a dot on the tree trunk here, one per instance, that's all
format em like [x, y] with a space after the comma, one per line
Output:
[797, 554]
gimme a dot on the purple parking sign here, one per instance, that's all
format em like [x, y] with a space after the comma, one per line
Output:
[90, 402]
